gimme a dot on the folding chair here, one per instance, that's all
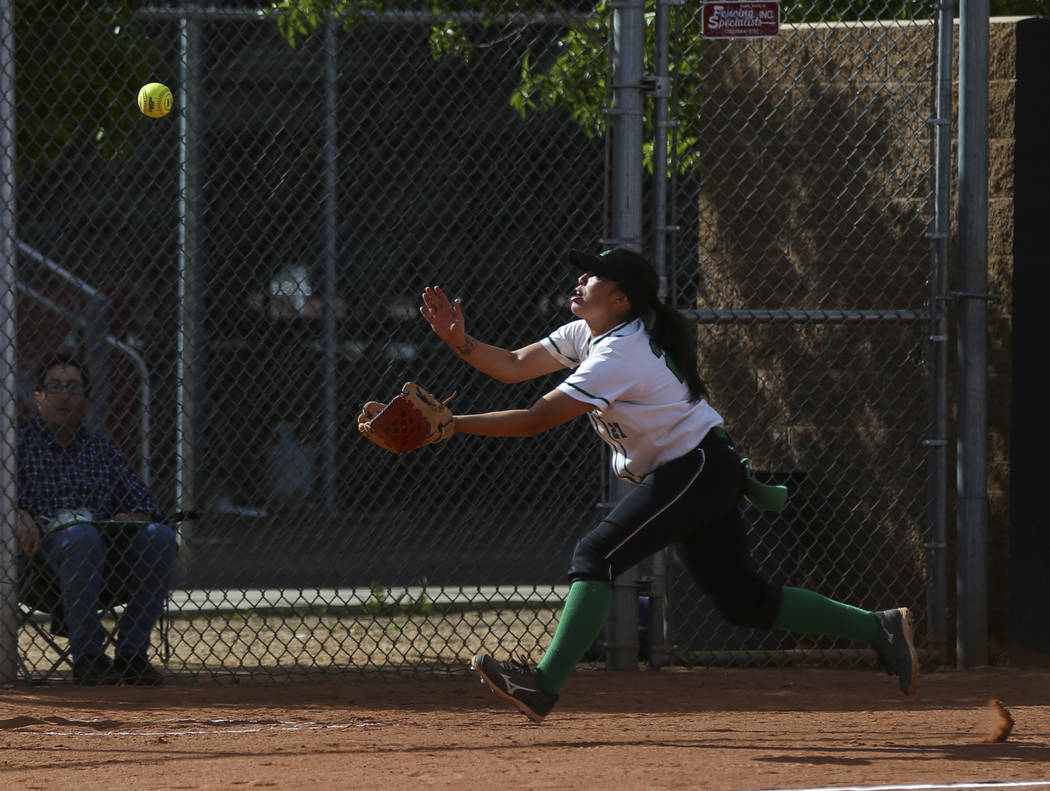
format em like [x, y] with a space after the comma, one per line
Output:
[38, 592]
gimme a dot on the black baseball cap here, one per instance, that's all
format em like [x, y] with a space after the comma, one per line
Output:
[631, 270]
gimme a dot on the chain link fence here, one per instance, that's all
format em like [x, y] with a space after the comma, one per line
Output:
[240, 276]
[809, 181]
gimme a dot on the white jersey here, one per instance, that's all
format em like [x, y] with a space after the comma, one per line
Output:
[642, 407]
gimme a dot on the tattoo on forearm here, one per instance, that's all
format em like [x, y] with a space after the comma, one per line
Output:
[467, 347]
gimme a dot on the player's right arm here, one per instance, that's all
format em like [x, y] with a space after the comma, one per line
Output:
[445, 317]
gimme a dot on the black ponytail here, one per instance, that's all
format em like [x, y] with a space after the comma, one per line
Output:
[668, 329]
[676, 335]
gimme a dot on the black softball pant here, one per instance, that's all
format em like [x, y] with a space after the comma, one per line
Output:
[693, 503]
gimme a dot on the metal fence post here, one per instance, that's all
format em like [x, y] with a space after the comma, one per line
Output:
[331, 252]
[626, 115]
[937, 598]
[972, 461]
[659, 88]
[8, 348]
[189, 286]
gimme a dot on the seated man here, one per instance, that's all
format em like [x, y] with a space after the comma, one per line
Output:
[75, 489]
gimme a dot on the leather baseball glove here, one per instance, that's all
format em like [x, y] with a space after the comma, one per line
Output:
[413, 419]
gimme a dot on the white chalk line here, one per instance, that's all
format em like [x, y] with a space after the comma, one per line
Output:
[927, 786]
[274, 728]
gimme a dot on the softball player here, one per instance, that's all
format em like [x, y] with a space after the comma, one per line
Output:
[633, 372]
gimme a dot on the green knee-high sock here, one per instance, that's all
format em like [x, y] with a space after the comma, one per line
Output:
[586, 608]
[806, 611]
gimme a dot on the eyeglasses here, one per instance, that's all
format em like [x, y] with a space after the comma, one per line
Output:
[73, 388]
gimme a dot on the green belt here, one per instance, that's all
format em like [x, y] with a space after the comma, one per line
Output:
[763, 496]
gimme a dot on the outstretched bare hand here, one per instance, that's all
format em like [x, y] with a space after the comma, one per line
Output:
[444, 316]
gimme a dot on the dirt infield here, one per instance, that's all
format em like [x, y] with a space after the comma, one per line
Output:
[676, 729]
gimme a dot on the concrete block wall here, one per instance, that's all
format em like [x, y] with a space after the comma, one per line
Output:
[725, 222]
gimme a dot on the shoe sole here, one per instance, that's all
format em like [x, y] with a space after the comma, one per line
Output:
[524, 709]
[909, 636]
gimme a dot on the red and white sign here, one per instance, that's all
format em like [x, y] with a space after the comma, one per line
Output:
[741, 19]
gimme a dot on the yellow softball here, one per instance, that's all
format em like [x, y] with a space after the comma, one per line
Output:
[155, 100]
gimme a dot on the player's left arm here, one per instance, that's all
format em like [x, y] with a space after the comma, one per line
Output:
[549, 411]
[446, 319]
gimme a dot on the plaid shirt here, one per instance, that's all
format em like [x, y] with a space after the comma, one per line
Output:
[90, 474]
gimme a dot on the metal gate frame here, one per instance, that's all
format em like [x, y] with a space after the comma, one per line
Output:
[625, 228]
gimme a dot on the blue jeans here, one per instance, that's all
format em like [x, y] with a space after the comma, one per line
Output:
[137, 563]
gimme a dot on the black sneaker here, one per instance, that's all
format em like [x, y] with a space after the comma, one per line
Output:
[94, 670]
[518, 683]
[896, 648]
[137, 671]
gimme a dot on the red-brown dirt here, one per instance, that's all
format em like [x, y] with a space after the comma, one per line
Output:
[785, 728]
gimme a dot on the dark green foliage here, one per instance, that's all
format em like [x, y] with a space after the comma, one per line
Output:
[1020, 8]
[79, 65]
